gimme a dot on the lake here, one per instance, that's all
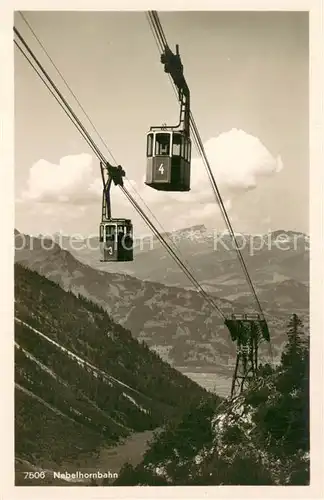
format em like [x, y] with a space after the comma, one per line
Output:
[212, 382]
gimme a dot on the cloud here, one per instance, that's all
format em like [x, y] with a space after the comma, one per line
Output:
[238, 161]
[73, 180]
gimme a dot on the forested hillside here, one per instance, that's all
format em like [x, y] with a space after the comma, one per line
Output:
[82, 380]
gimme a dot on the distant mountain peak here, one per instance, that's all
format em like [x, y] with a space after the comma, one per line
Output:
[286, 232]
[193, 233]
[196, 227]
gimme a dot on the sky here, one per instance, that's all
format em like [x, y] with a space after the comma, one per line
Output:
[248, 77]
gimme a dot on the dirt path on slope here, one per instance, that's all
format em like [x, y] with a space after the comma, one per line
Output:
[108, 461]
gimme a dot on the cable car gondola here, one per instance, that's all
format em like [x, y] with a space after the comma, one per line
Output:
[116, 240]
[168, 160]
[115, 235]
[168, 149]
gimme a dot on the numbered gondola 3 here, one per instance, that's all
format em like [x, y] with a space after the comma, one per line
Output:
[115, 235]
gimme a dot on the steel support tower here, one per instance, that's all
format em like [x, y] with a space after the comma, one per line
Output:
[247, 330]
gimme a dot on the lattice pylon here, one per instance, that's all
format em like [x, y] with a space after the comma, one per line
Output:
[246, 333]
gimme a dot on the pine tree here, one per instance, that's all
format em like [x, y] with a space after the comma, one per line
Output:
[285, 421]
[296, 347]
[295, 357]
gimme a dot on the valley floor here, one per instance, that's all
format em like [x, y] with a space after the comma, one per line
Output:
[212, 382]
[108, 461]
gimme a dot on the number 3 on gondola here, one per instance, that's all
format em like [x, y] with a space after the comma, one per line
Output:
[109, 252]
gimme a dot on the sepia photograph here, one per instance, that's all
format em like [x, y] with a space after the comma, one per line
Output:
[161, 248]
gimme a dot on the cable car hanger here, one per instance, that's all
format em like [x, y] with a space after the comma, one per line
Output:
[173, 65]
[116, 175]
[115, 235]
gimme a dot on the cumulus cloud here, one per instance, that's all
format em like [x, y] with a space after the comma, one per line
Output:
[238, 161]
[73, 180]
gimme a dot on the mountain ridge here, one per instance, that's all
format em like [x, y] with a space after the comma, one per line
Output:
[174, 321]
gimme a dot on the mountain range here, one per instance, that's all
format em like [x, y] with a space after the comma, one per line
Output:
[270, 258]
[151, 297]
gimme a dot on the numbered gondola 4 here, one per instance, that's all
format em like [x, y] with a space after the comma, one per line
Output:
[116, 240]
[168, 148]
[168, 160]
